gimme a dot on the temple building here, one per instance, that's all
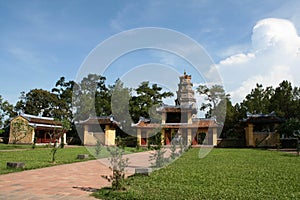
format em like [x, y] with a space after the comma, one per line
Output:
[260, 130]
[102, 129]
[179, 121]
[28, 129]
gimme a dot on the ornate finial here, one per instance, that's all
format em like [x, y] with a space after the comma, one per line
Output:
[184, 72]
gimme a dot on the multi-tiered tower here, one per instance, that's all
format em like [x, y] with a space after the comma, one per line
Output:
[185, 93]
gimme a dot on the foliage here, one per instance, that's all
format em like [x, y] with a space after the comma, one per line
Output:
[147, 98]
[117, 165]
[98, 148]
[120, 107]
[64, 91]
[173, 149]
[155, 139]
[291, 128]
[285, 101]
[215, 101]
[258, 101]
[38, 102]
[222, 174]
[297, 135]
[56, 134]
[288, 128]
[158, 157]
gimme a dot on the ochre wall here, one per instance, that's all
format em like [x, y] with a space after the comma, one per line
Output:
[22, 135]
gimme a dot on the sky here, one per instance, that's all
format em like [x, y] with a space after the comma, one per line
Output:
[248, 42]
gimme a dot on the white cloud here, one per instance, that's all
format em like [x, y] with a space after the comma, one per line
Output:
[238, 59]
[274, 57]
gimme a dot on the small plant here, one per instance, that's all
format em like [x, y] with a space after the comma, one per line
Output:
[138, 147]
[55, 134]
[174, 154]
[34, 143]
[181, 147]
[120, 142]
[54, 150]
[117, 165]
[158, 158]
[98, 148]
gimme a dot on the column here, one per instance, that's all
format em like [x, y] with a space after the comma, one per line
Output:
[85, 133]
[189, 116]
[249, 135]
[215, 136]
[189, 136]
[163, 117]
[139, 136]
[163, 136]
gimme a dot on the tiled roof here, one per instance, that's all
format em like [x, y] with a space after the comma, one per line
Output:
[40, 120]
[100, 120]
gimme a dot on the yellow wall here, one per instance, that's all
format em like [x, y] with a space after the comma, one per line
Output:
[110, 135]
[20, 131]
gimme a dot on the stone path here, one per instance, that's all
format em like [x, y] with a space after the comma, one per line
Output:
[63, 182]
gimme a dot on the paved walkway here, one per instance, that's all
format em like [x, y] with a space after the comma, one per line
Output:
[63, 182]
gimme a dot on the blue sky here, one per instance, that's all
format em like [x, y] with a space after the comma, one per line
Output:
[249, 41]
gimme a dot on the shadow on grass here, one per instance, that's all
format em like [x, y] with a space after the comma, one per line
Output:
[86, 189]
[290, 155]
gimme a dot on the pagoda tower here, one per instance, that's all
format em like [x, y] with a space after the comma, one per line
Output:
[185, 94]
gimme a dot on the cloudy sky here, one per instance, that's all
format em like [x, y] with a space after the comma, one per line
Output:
[249, 42]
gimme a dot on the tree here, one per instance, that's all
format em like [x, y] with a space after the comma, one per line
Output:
[117, 165]
[146, 100]
[38, 102]
[289, 127]
[215, 98]
[284, 102]
[120, 106]
[258, 101]
[91, 97]
[64, 91]
[56, 134]
[6, 112]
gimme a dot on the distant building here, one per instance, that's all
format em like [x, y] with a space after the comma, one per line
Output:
[260, 130]
[179, 122]
[24, 129]
[102, 129]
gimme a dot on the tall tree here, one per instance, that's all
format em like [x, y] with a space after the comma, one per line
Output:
[64, 91]
[258, 101]
[120, 105]
[147, 98]
[216, 102]
[91, 97]
[283, 102]
[6, 112]
[39, 102]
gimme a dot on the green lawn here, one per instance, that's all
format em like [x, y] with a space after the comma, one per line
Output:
[223, 174]
[41, 157]
[38, 158]
[17, 146]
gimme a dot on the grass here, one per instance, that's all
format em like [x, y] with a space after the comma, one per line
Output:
[223, 174]
[41, 157]
[18, 146]
[38, 158]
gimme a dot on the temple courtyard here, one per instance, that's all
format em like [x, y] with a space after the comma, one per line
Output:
[222, 174]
